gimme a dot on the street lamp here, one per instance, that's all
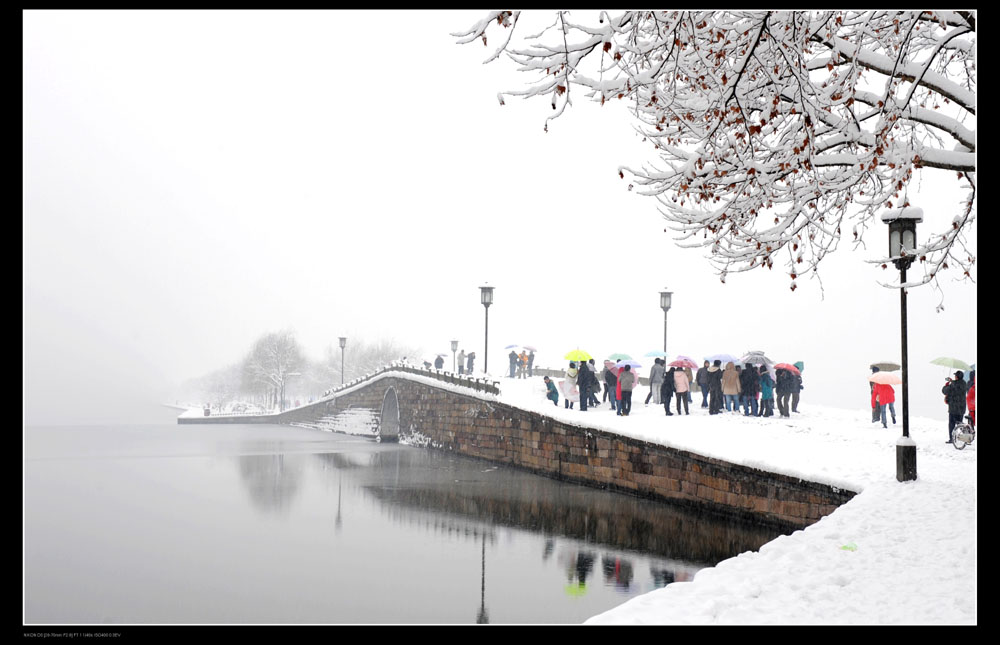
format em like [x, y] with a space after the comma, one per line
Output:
[665, 305]
[486, 293]
[902, 242]
[454, 348]
[343, 343]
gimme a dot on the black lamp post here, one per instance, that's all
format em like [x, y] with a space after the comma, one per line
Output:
[454, 348]
[486, 293]
[343, 344]
[902, 242]
[665, 305]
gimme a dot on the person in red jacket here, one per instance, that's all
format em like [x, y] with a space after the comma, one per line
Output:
[885, 397]
[970, 397]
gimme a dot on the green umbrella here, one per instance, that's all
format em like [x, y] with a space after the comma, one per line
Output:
[953, 363]
[578, 355]
[620, 357]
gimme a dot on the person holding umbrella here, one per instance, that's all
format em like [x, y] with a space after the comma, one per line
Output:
[682, 386]
[785, 384]
[954, 395]
[885, 397]
[513, 362]
[570, 384]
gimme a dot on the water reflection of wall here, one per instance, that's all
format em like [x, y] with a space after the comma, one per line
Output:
[415, 481]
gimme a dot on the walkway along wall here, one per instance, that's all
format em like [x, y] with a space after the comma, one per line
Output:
[476, 424]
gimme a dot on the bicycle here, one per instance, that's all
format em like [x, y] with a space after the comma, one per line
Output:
[963, 434]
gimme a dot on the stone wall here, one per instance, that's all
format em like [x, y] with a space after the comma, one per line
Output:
[497, 432]
[478, 425]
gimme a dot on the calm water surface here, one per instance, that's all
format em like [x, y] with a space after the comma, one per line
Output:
[170, 524]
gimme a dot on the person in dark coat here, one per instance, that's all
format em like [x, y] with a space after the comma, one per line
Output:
[438, 363]
[799, 387]
[877, 410]
[610, 385]
[595, 385]
[784, 386]
[954, 391]
[586, 381]
[513, 362]
[701, 378]
[750, 382]
[715, 388]
[667, 391]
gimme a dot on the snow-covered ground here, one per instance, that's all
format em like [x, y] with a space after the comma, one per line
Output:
[896, 554]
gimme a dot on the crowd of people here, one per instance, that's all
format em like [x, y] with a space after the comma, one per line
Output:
[730, 389]
[521, 365]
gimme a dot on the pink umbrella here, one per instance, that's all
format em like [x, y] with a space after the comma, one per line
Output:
[885, 378]
[683, 362]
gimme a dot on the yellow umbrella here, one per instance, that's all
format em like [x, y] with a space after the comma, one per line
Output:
[578, 355]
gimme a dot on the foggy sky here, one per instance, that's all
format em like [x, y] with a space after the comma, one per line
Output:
[195, 179]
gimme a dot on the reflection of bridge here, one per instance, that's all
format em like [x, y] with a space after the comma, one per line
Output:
[466, 416]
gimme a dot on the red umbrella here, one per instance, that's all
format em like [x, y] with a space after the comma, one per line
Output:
[786, 366]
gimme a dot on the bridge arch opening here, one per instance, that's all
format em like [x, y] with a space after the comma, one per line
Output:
[388, 425]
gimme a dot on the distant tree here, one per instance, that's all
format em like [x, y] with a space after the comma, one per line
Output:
[274, 359]
[364, 357]
[779, 132]
[218, 387]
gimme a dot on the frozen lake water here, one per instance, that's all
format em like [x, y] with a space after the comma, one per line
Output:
[245, 524]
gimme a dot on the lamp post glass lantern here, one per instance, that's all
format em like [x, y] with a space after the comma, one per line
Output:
[902, 242]
[454, 348]
[665, 298]
[486, 297]
[343, 344]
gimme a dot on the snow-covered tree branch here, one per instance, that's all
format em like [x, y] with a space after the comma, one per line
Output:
[779, 133]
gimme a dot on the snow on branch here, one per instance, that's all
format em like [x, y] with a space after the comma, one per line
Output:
[777, 133]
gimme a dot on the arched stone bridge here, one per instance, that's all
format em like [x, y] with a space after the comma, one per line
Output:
[448, 412]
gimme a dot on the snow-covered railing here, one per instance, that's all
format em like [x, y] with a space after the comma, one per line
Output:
[478, 384]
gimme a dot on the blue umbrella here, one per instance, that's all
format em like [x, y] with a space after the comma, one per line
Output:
[725, 358]
[656, 353]
[634, 364]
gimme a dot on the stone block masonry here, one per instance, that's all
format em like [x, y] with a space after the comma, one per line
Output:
[479, 425]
